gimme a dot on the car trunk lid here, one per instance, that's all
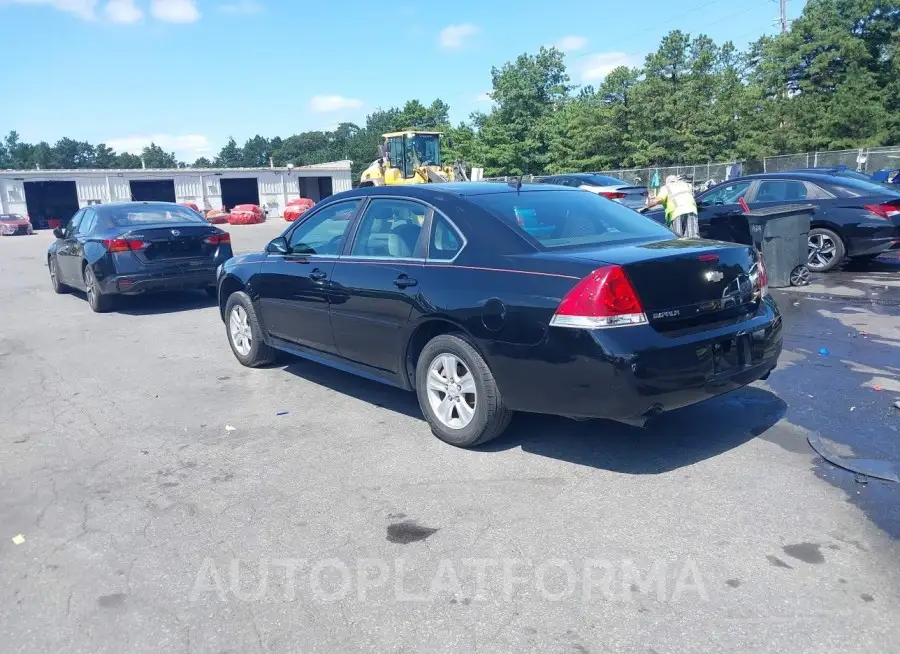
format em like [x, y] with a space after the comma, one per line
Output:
[685, 283]
[173, 243]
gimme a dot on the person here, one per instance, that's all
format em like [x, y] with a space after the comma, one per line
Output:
[681, 209]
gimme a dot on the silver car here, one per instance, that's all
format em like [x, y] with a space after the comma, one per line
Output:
[633, 197]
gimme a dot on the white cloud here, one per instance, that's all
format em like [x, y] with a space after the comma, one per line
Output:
[483, 97]
[242, 7]
[571, 43]
[123, 11]
[597, 66]
[82, 8]
[187, 147]
[175, 11]
[327, 103]
[454, 37]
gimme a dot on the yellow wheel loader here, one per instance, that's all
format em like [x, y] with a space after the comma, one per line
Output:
[411, 158]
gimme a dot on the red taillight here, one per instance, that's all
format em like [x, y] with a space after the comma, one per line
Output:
[708, 257]
[763, 275]
[123, 245]
[218, 239]
[887, 210]
[605, 298]
[612, 195]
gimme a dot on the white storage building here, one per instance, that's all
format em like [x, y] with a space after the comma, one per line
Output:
[57, 194]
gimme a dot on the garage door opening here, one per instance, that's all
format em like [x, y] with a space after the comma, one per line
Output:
[153, 190]
[239, 190]
[48, 201]
[315, 188]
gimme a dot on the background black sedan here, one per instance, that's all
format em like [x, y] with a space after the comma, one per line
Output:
[854, 216]
[485, 300]
[135, 247]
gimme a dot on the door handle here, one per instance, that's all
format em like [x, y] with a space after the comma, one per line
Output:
[404, 282]
[318, 275]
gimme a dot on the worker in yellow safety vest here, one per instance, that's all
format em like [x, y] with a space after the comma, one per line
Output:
[681, 208]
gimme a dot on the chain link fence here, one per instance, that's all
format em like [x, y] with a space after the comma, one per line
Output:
[865, 160]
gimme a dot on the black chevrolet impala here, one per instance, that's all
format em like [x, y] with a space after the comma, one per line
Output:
[135, 247]
[487, 299]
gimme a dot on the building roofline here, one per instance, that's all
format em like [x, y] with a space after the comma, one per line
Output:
[334, 166]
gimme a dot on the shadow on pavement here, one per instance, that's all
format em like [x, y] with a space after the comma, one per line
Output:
[162, 303]
[671, 441]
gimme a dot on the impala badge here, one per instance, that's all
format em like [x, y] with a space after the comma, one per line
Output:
[175, 232]
[713, 276]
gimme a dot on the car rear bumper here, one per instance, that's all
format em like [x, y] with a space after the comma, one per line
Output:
[630, 374]
[868, 246]
[137, 284]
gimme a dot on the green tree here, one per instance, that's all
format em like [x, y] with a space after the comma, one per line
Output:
[154, 156]
[256, 152]
[202, 162]
[230, 156]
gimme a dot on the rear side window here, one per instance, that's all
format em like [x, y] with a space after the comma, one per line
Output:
[445, 242]
[781, 190]
[726, 193]
[559, 219]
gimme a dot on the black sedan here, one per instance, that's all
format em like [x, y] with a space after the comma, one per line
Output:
[486, 299]
[854, 216]
[136, 247]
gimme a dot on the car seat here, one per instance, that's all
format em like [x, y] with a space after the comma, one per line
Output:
[402, 240]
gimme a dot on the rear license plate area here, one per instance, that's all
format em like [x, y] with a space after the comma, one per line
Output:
[732, 354]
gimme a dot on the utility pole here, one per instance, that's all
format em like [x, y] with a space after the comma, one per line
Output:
[782, 16]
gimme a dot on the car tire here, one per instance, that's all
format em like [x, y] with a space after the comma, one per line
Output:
[58, 286]
[826, 250]
[99, 302]
[245, 334]
[448, 366]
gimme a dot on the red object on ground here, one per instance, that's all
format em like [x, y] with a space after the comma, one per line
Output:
[296, 208]
[53, 223]
[246, 214]
[217, 216]
[191, 205]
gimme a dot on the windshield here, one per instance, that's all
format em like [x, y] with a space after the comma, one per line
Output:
[11, 216]
[851, 187]
[601, 180]
[559, 219]
[125, 217]
[425, 149]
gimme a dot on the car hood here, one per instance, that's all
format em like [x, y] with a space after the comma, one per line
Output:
[18, 222]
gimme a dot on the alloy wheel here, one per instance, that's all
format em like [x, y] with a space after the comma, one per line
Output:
[90, 286]
[240, 331]
[452, 393]
[822, 250]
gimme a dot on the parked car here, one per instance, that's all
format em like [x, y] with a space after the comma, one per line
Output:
[136, 247]
[887, 176]
[14, 224]
[633, 197]
[296, 208]
[591, 310]
[853, 217]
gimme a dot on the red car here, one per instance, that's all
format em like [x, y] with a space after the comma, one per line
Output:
[296, 208]
[246, 214]
[14, 224]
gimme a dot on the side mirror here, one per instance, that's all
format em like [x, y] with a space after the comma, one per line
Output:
[278, 246]
[58, 232]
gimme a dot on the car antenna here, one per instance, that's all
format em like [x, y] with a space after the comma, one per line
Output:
[518, 183]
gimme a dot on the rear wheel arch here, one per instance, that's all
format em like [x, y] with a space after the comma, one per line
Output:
[425, 332]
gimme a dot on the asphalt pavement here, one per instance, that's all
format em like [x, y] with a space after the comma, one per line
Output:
[157, 496]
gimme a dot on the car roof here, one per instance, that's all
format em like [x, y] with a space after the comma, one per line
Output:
[802, 175]
[459, 189]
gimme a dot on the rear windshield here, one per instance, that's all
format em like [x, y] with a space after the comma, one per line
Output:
[147, 215]
[601, 180]
[850, 187]
[560, 219]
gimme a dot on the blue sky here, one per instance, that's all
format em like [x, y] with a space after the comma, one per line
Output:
[190, 73]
